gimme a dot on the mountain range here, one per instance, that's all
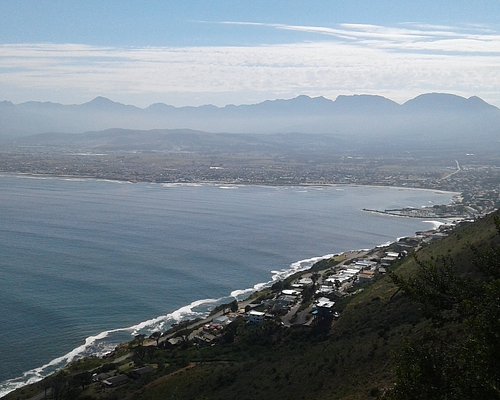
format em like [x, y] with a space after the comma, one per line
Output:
[428, 117]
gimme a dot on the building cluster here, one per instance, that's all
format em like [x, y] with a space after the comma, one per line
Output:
[121, 375]
[302, 300]
[477, 181]
[309, 296]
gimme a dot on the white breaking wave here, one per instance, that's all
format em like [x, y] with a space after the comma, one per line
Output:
[39, 373]
[62, 178]
[242, 292]
[435, 224]
[88, 154]
[178, 184]
[298, 266]
[111, 181]
[97, 346]
[278, 275]
[385, 244]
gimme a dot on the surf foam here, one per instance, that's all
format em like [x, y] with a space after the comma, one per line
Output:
[435, 224]
[97, 345]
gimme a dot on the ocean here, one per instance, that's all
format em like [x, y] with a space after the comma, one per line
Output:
[85, 264]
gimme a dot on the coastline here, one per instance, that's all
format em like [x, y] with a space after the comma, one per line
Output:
[124, 365]
[449, 218]
[183, 313]
[76, 178]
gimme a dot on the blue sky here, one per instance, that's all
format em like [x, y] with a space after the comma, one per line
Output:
[221, 52]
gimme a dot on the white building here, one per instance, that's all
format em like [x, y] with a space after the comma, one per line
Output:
[255, 317]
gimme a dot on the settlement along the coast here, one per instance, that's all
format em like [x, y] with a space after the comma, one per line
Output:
[311, 299]
[306, 298]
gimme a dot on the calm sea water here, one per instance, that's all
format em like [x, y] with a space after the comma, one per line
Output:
[84, 262]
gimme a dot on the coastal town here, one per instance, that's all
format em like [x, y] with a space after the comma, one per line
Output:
[474, 179]
[305, 298]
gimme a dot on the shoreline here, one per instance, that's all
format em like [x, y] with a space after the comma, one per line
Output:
[184, 313]
[76, 178]
[389, 214]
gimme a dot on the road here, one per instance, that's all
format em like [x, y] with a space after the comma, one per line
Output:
[454, 172]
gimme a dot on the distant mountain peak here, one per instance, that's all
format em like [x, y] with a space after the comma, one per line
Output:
[104, 104]
[446, 102]
[363, 97]
[301, 97]
[100, 100]
[437, 97]
[159, 107]
[480, 102]
[364, 103]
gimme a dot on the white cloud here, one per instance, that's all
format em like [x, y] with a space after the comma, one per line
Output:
[406, 37]
[398, 62]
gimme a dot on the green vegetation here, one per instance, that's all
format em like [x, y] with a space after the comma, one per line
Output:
[427, 330]
[457, 355]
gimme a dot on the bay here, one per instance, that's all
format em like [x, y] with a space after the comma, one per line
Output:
[85, 264]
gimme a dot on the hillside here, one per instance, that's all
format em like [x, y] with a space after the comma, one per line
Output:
[359, 356]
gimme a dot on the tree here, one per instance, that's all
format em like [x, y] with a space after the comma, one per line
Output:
[234, 306]
[456, 356]
[138, 340]
[82, 379]
[156, 336]
[46, 385]
[59, 385]
[140, 352]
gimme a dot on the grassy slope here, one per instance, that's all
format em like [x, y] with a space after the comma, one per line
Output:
[354, 362]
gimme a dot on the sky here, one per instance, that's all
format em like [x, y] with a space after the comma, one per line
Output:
[195, 52]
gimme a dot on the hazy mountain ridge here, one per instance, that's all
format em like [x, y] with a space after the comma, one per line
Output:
[429, 115]
[181, 140]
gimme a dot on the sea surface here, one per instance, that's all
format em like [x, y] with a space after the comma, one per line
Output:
[85, 264]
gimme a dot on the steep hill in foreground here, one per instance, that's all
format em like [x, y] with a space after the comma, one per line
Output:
[409, 333]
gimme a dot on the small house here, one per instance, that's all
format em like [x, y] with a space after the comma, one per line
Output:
[290, 292]
[255, 317]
